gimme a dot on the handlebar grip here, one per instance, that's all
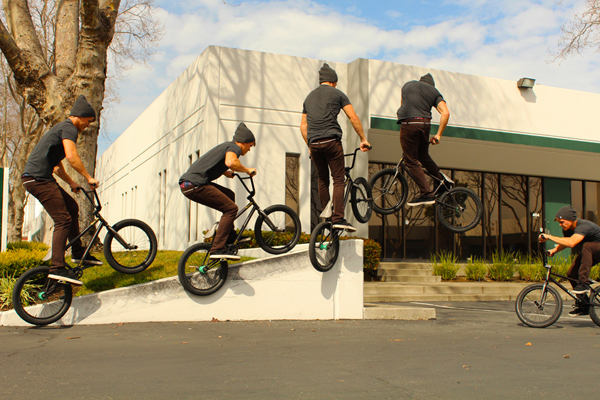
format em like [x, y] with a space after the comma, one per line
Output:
[253, 173]
[369, 147]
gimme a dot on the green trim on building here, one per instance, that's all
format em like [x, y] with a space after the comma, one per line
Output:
[495, 136]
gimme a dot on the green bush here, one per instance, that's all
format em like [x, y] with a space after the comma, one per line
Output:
[15, 262]
[6, 288]
[476, 269]
[560, 265]
[444, 265]
[37, 246]
[595, 273]
[532, 272]
[503, 266]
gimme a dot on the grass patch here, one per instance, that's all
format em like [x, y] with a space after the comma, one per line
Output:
[444, 265]
[103, 277]
[476, 269]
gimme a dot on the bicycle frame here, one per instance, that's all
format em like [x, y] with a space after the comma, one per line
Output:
[438, 182]
[252, 205]
[549, 278]
[95, 201]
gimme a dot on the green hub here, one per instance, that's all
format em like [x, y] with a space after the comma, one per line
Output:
[42, 295]
[324, 246]
[202, 269]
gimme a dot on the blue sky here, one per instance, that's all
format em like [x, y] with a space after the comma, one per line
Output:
[506, 39]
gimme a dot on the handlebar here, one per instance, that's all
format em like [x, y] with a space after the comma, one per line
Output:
[96, 203]
[252, 192]
[354, 159]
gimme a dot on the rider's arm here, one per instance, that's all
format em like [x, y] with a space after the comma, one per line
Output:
[442, 108]
[233, 163]
[73, 158]
[563, 242]
[62, 174]
[355, 121]
[304, 128]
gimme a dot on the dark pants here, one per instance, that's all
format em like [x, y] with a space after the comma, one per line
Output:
[583, 263]
[414, 139]
[329, 156]
[64, 211]
[221, 199]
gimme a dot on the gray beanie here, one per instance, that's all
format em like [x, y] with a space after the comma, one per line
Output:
[243, 134]
[566, 212]
[427, 79]
[82, 108]
[327, 74]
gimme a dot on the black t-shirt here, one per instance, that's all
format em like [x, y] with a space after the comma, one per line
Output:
[322, 107]
[211, 165]
[589, 230]
[417, 100]
[50, 151]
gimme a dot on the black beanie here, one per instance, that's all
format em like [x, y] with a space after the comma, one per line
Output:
[566, 212]
[243, 134]
[82, 108]
[428, 79]
[327, 74]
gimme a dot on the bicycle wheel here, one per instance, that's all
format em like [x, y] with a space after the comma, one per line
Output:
[459, 209]
[390, 191]
[536, 308]
[132, 249]
[595, 306]
[38, 300]
[198, 274]
[361, 200]
[324, 247]
[277, 229]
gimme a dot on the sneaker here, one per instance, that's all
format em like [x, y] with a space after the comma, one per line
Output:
[65, 275]
[582, 288]
[223, 254]
[343, 224]
[579, 311]
[242, 240]
[90, 259]
[421, 201]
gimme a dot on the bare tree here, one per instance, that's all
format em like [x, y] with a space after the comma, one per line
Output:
[57, 50]
[581, 33]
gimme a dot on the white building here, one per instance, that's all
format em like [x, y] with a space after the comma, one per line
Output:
[526, 152]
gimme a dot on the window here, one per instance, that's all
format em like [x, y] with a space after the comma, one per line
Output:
[292, 182]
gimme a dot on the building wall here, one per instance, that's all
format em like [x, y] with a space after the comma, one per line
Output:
[494, 126]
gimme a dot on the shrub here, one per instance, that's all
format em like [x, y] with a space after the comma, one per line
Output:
[503, 266]
[15, 262]
[560, 265]
[35, 246]
[7, 283]
[476, 269]
[595, 273]
[532, 272]
[444, 265]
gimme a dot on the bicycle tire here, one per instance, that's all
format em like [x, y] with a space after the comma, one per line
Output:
[534, 312]
[595, 306]
[135, 233]
[287, 225]
[459, 209]
[390, 191]
[362, 200]
[40, 301]
[324, 247]
[198, 274]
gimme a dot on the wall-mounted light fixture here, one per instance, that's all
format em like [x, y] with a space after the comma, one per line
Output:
[526, 83]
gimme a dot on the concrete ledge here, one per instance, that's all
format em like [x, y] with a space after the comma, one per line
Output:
[275, 287]
[399, 313]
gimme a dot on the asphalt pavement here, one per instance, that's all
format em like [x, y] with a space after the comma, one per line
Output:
[472, 351]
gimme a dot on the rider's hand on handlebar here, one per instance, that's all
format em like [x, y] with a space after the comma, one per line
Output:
[365, 146]
[435, 140]
[229, 174]
[251, 171]
[75, 188]
[93, 183]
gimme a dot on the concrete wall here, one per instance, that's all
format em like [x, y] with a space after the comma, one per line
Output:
[281, 287]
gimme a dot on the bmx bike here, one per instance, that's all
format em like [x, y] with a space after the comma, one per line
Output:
[277, 231]
[324, 245]
[459, 209]
[129, 247]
